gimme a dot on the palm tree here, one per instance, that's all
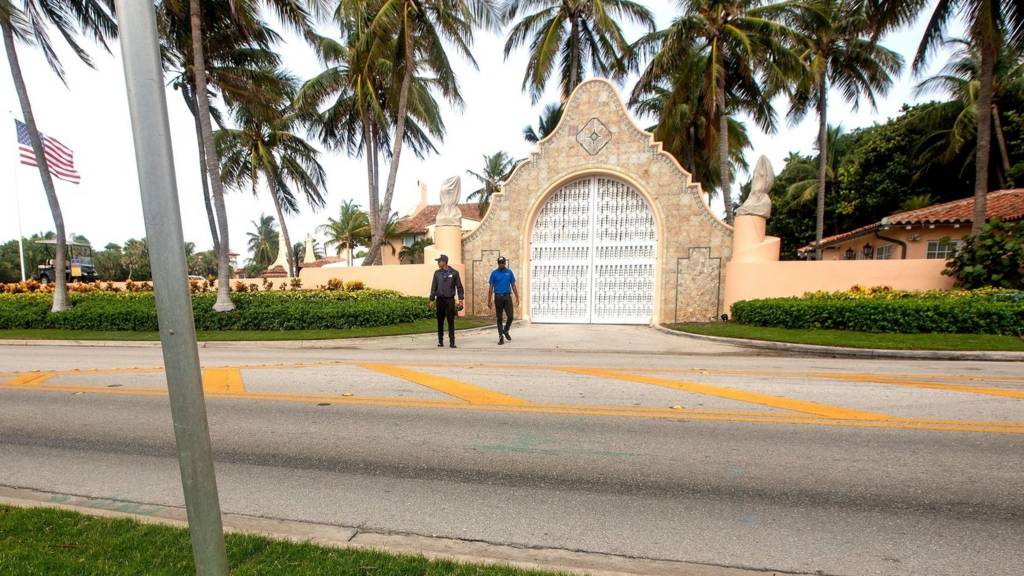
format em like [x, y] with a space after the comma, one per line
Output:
[264, 148]
[546, 124]
[413, 35]
[836, 50]
[959, 79]
[263, 241]
[744, 58]
[413, 253]
[358, 84]
[31, 24]
[245, 18]
[351, 229]
[497, 168]
[392, 231]
[807, 188]
[990, 25]
[571, 34]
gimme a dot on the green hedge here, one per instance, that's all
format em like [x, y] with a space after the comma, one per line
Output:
[983, 312]
[298, 310]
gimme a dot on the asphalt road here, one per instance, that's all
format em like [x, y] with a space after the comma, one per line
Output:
[689, 451]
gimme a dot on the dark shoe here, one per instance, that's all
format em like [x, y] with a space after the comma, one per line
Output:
[452, 345]
[507, 337]
[440, 344]
[501, 341]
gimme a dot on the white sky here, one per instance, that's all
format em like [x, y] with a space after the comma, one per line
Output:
[91, 117]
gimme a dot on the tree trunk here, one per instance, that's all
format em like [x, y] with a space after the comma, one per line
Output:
[60, 289]
[723, 139]
[203, 170]
[370, 150]
[224, 302]
[349, 253]
[373, 255]
[819, 225]
[574, 60]
[284, 232]
[1001, 139]
[984, 108]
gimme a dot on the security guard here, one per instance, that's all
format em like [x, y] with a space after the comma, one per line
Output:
[502, 286]
[445, 287]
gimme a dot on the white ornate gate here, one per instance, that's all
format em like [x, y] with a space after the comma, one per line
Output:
[593, 251]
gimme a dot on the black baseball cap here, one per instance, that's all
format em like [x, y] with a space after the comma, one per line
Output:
[501, 260]
[441, 258]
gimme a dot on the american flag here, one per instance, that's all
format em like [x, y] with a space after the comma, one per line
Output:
[59, 158]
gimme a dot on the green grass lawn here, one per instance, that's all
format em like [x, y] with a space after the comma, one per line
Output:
[885, 341]
[418, 327]
[57, 543]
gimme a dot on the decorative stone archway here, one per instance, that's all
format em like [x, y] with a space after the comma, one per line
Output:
[597, 145]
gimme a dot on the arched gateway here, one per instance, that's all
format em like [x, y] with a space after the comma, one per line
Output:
[601, 226]
[593, 253]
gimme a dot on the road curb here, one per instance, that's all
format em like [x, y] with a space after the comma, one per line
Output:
[843, 352]
[468, 551]
[288, 344]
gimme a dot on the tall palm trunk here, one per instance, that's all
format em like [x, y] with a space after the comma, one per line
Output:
[284, 232]
[723, 136]
[1001, 140]
[984, 107]
[370, 151]
[203, 171]
[574, 58]
[60, 292]
[819, 225]
[224, 302]
[373, 256]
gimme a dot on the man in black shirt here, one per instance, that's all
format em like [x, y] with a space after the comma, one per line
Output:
[443, 289]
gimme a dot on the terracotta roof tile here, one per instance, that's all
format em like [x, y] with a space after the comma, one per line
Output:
[1003, 204]
[418, 222]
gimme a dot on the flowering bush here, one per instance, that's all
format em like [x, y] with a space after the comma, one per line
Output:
[982, 311]
[277, 310]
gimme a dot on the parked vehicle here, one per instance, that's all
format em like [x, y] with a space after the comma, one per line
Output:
[78, 265]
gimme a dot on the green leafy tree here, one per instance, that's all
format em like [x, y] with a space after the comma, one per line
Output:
[546, 124]
[203, 264]
[263, 241]
[836, 51]
[135, 259]
[990, 24]
[742, 48]
[497, 168]
[350, 229]
[30, 22]
[108, 263]
[413, 253]
[35, 254]
[993, 257]
[572, 36]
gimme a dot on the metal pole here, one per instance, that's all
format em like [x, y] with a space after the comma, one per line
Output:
[153, 156]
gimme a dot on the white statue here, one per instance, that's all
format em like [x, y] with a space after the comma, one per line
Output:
[309, 255]
[758, 203]
[282, 256]
[449, 214]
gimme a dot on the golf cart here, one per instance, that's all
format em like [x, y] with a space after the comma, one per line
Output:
[78, 265]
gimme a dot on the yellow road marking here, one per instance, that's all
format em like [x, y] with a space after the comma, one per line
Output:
[30, 378]
[468, 392]
[584, 410]
[738, 395]
[222, 381]
[1007, 393]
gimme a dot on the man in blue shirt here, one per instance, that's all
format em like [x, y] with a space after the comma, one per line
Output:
[502, 286]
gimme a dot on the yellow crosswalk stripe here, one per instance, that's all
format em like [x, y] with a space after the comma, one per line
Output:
[877, 379]
[223, 381]
[30, 379]
[462, 390]
[824, 410]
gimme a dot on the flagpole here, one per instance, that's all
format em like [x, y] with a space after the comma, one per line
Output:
[17, 211]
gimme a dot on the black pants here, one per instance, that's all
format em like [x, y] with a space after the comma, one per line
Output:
[503, 306]
[446, 308]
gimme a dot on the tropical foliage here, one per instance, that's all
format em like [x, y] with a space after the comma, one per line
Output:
[497, 168]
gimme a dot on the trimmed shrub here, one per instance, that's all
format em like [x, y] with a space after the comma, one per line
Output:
[883, 310]
[278, 310]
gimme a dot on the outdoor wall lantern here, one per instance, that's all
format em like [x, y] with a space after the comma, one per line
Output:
[850, 254]
[869, 251]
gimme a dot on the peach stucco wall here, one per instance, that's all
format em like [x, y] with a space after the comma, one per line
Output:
[749, 280]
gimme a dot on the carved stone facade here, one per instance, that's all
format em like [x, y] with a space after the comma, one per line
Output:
[596, 138]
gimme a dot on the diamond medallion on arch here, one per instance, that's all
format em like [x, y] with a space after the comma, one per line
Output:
[594, 136]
